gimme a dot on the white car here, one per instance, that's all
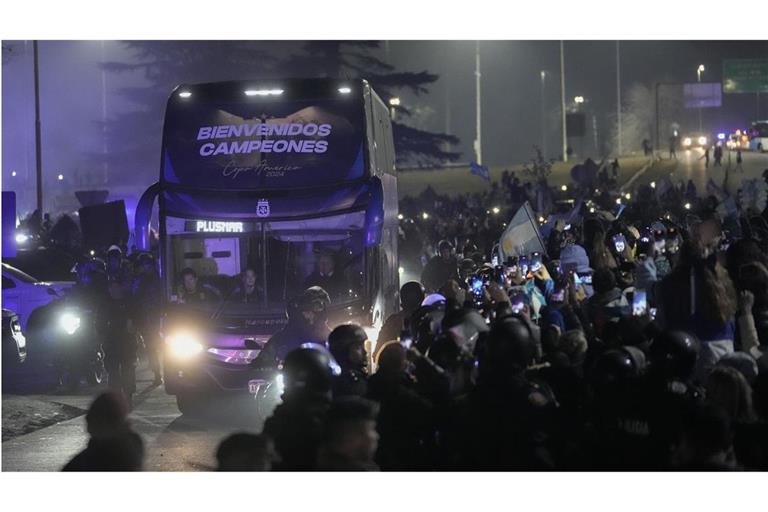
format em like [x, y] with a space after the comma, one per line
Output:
[23, 293]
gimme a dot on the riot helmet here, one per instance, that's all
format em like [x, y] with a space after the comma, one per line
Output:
[510, 348]
[674, 354]
[411, 295]
[309, 369]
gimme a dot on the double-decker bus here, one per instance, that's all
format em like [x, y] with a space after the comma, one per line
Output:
[275, 177]
[758, 136]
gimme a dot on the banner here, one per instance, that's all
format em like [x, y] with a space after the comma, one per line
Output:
[522, 235]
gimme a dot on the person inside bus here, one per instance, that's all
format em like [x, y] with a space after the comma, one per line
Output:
[248, 290]
[190, 290]
[327, 277]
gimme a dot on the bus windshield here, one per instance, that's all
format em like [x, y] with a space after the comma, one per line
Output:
[251, 267]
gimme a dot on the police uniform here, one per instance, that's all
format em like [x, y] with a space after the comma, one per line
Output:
[117, 329]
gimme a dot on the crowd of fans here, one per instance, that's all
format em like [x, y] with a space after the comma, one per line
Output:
[635, 339]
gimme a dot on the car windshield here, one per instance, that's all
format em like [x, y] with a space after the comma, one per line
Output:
[235, 268]
[18, 274]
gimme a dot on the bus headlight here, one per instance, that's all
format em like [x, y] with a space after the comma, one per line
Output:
[69, 322]
[687, 141]
[702, 141]
[184, 345]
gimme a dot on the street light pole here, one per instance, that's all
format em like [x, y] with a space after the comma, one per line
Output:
[38, 152]
[699, 71]
[562, 102]
[543, 114]
[618, 96]
[478, 140]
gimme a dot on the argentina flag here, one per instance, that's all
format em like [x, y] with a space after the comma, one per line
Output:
[480, 170]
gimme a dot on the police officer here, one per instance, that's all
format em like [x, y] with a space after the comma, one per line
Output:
[307, 322]
[347, 345]
[91, 283]
[190, 290]
[297, 423]
[504, 422]
[411, 296]
[671, 388]
[117, 265]
[146, 293]
[117, 330]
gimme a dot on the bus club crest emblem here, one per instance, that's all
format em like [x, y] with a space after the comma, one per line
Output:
[262, 208]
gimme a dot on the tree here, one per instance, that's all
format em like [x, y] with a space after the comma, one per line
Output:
[539, 167]
[134, 137]
[357, 59]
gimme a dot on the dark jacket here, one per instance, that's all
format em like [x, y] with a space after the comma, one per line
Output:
[291, 337]
[349, 383]
[123, 452]
[296, 427]
[405, 423]
[117, 324]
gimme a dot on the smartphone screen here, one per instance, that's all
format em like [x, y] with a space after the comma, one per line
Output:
[576, 278]
[586, 278]
[639, 303]
[477, 284]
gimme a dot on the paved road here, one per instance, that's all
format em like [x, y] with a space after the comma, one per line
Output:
[173, 442]
[690, 165]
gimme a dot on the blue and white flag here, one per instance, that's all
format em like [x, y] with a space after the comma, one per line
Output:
[522, 236]
[480, 170]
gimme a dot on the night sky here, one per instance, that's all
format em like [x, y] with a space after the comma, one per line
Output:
[74, 97]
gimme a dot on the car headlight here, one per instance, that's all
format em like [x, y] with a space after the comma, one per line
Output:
[687, 141]
[69, 322]
[703, 141]
[183, 345]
